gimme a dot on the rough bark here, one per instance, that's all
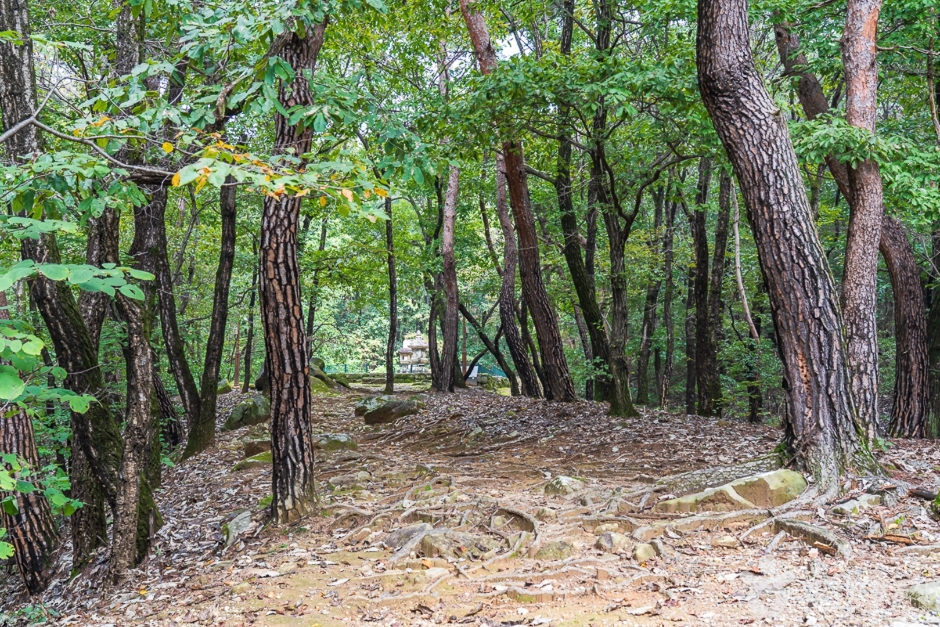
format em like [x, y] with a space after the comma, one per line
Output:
[249, 340]
[32, 530]
[715, 281]
[690, 376]
[653, 286]
[909, 413]
[202, 426]
[529, 382]
[281, 305]
[493, 347]
[449, 276]
[392, 300]
[821, 422]
[559, 384]
[669, 288]
[859, 284]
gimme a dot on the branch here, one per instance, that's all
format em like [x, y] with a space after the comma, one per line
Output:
[539, 174]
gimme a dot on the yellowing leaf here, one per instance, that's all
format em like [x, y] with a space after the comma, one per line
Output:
[348, 194]
[200, 183]
[371, 219]
[167, 147]
[367, 194]
[100, 122]
[176, 180]
[381, 192]
[302, 193]
[323, 201]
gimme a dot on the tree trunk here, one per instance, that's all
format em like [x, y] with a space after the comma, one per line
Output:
[653, 286]
[560, 386]
[690, 376]
[136, 445]
[493, 347]
[821, 422]
[529, 382]
[202, 428]
[281, 304]
[392, 302]
[449, 275]
[859, 285]
[249, 339]
[909, 413]
[32, 530]
[716, 279]
[668, 291]
[314, 295]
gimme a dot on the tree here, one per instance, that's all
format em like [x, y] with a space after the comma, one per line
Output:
[821, 424]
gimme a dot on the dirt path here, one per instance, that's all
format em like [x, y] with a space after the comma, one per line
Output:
[478, 465]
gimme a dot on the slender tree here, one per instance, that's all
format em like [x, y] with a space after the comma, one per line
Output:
[392, 300]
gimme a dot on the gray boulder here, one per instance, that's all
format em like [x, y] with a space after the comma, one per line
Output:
[253, 411]
[925, 596]
[387, 408]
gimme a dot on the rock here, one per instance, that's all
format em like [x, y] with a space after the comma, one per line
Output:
[387, 408]
[250, 448]
[316, 372]
[450, 543]
[318, 363]
[925, 596]
[546, 514]
[400, 537]
[854, 506]
[555, 551]
[253, 411]
[722, 499]
[261, 460]
[644, 552]
[612, 542]
[726, 542]
[225, 387]
[287, 568]
[563, 486]
[351, 481]
[428, 575]
[334, 442]
[823, 539]
[317, 386]
[919, 549]
[241, 588]
[504, 391]
[770, 489]
[236, 526]
[603, 528]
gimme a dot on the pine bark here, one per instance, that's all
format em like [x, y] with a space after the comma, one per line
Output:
[821, 424]
[669, 288]
[859, 285]
[281, 304]
[650, 305]
[911, 395]
[250, 338]
[559, 384]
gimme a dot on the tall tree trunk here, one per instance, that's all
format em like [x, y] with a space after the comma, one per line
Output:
[588, 353]
[314, 292]
[136, 445]
[753, 372]
[933, 349]
[859, 285]
[202, 428]
[281, 304]
[249, 339]
[716, 278]
[690, 376]
[653, 285]
[449, 276]
[821, 421]
[392, 301]
[560, 386]
[31, 530]
[529, 382]
[668, 291]
[493, 347]
[909, 413]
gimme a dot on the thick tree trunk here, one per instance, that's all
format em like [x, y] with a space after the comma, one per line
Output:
[559, 385]
[909, 413]
[859, 285]
[528, 379]
[392, 300]
[281, 304]
[933, 350]
[449, 276]
[31, 530]
[202, 428]
[821, 422]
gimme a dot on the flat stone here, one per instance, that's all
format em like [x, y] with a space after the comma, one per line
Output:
[233, 528]
[450, 543]
[350, 481]
[241, 588]
[431, 574]
[721, 499]
[612, 542]
[555, 551]
[252, 411]
[855, 506]
[287, 568]
[919, 549]
[387, 408]
[563, 486]
[400, 537]
[644, 552]
[334, 442]
[726, 542]
[545, 513]
[261, 460]
[770, 489]
[925, 595]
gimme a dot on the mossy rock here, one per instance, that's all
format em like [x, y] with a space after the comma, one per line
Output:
[318, 363]
[266, 501]
[335, 442]
[225, 387]
[261, 460]
[252, 411]
[341, 378]
[555, 551]
[317, 386]
[387, 408]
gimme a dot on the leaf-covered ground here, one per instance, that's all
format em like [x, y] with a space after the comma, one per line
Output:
[478, 464]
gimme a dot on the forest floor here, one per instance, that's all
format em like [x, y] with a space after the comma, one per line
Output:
[478, 464]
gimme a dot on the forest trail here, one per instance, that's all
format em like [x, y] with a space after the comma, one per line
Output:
[479, 463]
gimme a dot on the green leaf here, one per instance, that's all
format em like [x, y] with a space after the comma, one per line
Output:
[9, 506]
[132, 291]
[54, 271]
[140, 274]
[6, 549]
[11, 385]
[25, 487]
[79, 404]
